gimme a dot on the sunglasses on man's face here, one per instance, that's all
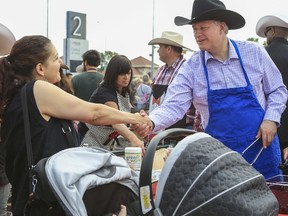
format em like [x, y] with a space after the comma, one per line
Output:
[267, 30]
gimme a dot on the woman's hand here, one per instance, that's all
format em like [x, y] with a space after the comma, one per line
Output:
[136, 142]
[141, 119]
[123, 211]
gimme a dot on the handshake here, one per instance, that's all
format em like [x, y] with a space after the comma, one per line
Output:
[145, 127]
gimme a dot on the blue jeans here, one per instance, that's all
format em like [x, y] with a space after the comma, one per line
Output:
[4, 195]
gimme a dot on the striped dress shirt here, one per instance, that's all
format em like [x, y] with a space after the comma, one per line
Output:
[166, 74]
[190, 84]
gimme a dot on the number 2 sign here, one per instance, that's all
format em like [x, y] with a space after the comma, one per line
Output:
[76, 25]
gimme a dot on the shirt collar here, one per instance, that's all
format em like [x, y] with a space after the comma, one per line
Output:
[279, 40]
[232, 53]
[173, 66]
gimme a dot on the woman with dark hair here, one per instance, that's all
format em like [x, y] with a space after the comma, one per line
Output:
[34, 61]
[113, 92]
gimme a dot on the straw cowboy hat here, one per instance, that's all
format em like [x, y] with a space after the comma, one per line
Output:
[169, 38]
[279, 20]
[203, 10]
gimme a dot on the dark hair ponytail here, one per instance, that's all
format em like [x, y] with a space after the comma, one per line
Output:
[17, 68]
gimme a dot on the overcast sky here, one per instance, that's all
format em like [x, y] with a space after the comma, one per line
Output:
[123, 26]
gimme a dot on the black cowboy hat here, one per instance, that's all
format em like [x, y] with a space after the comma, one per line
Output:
[212, 10]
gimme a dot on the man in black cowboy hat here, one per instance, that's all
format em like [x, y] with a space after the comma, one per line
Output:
[234, 84]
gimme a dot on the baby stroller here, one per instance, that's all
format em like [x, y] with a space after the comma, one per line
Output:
[202, 176]
[87, 181]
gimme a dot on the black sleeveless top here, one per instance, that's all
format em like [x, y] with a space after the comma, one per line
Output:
[46, 136]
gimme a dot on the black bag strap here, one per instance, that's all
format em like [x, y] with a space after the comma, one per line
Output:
[65, 128]
[27, 134]
[147, 164]
[68, 132]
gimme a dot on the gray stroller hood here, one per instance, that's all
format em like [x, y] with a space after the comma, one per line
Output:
[202, 176]
[71, 172]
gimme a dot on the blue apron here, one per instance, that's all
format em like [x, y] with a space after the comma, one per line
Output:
[235, 116]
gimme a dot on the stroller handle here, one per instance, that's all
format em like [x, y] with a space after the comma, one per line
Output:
[147, 164]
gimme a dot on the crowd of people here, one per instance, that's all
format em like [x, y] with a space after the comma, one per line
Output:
[233, 90]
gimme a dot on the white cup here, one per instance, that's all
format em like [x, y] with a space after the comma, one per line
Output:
[133, 156]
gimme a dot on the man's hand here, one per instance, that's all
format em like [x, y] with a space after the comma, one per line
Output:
[285, 153]
[267, 132]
